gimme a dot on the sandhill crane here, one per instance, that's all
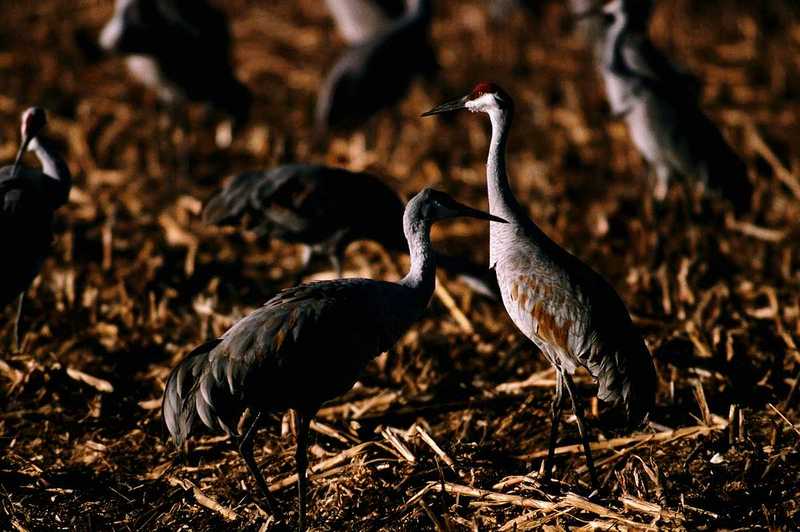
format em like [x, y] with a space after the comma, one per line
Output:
[28, 201]
[179, 49]
[659, 102]
[360, 20]
[567, 309]
[305, 346]
[327, 208]
[377, 73]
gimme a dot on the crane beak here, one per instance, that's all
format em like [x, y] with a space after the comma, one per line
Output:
[453, 105]
[462, 210]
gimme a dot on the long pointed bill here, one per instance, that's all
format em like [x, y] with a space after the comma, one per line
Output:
[22, 147]
[453, 105]
[463, 210]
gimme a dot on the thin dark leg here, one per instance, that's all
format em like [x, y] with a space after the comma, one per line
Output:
[301, 458]
[556, 409]
[15, 332]
[577, 408]
[246, 450]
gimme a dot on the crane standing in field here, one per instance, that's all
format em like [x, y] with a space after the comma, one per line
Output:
[326, 209]
[305, 346]
[567, 309]
[659, 102]
[28, 201]
[179, 49]
[378, 72]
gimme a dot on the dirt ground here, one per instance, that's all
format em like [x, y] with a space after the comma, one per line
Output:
[446, 431]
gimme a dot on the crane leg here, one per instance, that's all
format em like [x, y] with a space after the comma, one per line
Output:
[556, 409]
[577, 408]
[246, 450]
[301, 458]
[17, 317]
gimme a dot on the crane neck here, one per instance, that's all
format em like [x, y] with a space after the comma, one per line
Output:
[421, 278]
[54, 167]
[502, 202]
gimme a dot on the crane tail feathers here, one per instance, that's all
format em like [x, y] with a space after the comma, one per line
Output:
[181, 403]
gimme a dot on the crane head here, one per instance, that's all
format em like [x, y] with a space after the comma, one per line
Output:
[33, 121]
[434, 205]
[485, 97]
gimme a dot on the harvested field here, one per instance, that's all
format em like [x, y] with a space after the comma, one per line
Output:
[447, 430]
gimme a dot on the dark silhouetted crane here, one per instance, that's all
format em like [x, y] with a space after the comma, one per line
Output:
[660, 104]
[360, 20]
[567, 309]
[28, 201]
[326, 209]
[376, 73]
[181, 50]
[305, 346]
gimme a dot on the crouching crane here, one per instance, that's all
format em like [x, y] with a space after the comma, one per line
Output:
[305, 346]
[326, 209]
[563, 306]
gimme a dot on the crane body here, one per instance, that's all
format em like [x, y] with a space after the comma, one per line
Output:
[28, 201]
[180, 50]
[563, 306]
[660, 104]
[326, 209]
[305, 346]
[378, 72]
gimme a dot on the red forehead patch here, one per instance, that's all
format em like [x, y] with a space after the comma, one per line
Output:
[485, 87]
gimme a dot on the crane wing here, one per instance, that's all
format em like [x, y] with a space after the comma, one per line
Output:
[264, 360]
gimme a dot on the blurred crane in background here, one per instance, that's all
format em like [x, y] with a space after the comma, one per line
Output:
[378, 72]
[181, 50]
[563, 306]
[326, 209]
[360, 20]
[28, 201]
[660, 104]
[305, 346]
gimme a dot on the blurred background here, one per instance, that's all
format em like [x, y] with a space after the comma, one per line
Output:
[135, 279]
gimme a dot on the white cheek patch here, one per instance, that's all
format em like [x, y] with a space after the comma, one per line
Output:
[482, 103]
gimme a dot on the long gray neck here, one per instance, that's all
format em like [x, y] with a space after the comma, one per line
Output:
[502, 202]
[54, 167]
[421, 278]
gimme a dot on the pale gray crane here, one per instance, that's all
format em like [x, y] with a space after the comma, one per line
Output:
[567, 309]
[660, 104]
[360, 20]
[376, 73]
[28, 201]
[305, 346]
